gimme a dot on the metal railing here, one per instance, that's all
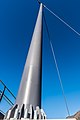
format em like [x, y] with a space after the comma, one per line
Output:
[4, 96]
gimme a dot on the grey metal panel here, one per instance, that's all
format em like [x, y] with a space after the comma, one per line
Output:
[30, 87]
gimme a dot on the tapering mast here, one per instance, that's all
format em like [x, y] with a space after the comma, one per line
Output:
[28, 102]
[30, 87]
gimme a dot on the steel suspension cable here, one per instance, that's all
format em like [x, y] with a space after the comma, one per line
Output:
[64, 22]
[54, 57]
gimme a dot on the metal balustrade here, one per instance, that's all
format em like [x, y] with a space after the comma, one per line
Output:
[5, 97]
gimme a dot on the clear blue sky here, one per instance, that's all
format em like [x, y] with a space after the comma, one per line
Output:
[17, 20]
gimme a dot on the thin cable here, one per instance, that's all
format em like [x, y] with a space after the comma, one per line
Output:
[53, 53]
[60, 19]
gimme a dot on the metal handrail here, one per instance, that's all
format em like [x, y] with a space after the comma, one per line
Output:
[2, 112]
[2, 95]
[7, 89]
[7, 99]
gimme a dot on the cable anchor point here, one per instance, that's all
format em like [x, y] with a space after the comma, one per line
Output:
[39, 1]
